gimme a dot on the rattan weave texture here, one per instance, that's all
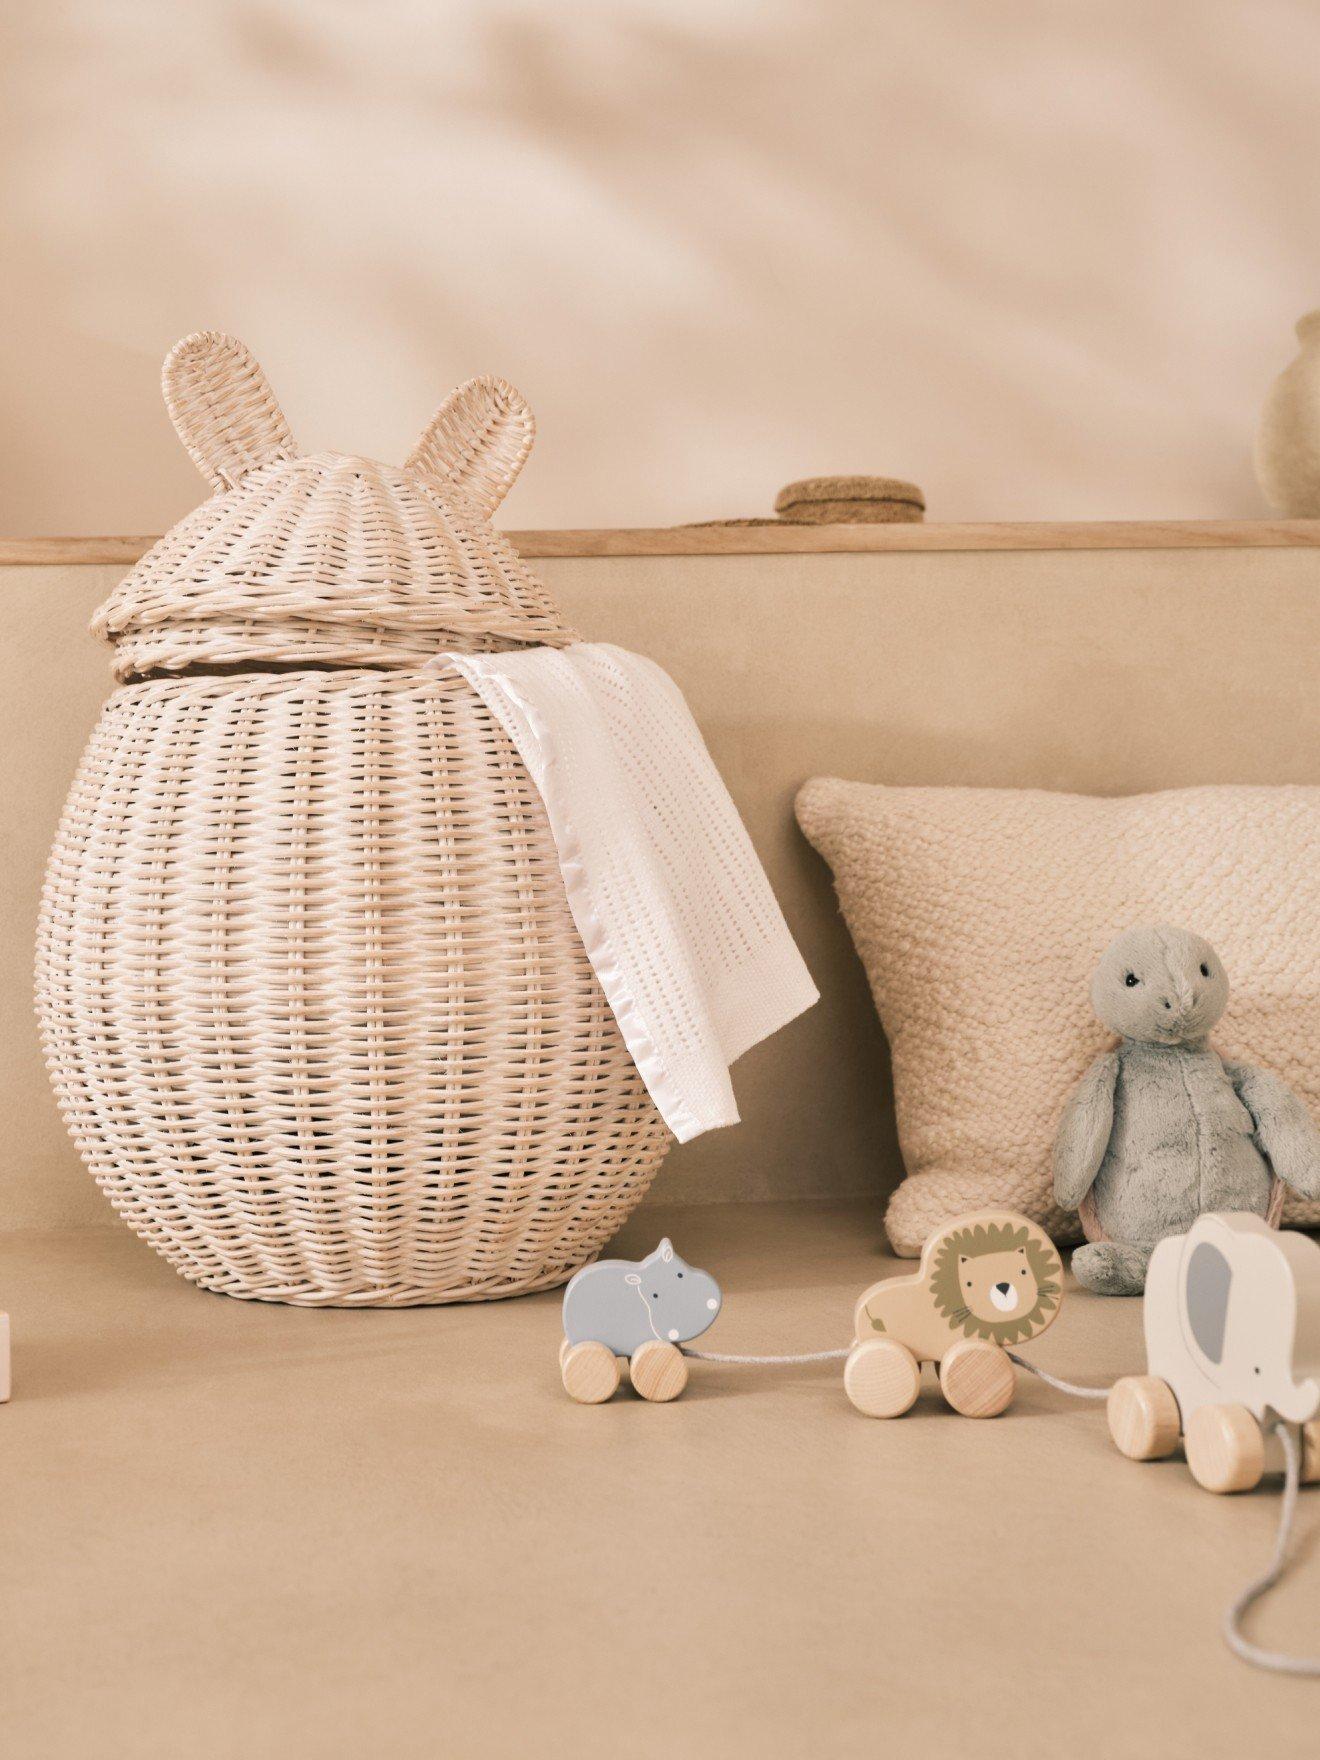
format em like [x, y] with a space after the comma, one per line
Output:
[315, 1007]
[326, 557]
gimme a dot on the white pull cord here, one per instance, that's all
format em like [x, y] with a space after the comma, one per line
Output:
[801, 1357]
[1073, 1387]
[1277, 1661]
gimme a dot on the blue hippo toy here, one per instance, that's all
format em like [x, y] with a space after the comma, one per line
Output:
[641, 1309]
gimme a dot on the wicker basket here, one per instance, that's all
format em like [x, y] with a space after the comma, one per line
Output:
[315, 1008]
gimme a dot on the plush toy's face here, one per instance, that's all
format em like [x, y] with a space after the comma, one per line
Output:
[995, 1286]
[1160, 985]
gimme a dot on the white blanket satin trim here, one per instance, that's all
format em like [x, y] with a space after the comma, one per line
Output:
[672, 904]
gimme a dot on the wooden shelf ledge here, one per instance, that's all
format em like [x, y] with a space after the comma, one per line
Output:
[771, 540]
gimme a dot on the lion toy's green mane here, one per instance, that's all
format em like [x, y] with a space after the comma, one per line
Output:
[995, 1237]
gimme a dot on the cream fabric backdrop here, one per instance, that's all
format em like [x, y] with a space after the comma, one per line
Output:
[1044, 258]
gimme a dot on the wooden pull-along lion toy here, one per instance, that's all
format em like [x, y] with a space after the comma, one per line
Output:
[985, 1282]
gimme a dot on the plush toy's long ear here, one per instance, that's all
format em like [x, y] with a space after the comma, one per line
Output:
[477, 440]
[223, 409]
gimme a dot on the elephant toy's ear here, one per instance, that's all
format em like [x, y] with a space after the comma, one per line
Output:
[666, 1250]
[223, 408]
[1209, 1280]
[478, 440]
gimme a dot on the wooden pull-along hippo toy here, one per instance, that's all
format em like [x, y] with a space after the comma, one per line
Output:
[640, 1309]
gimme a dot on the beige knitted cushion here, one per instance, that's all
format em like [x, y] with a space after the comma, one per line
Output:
[979, 914]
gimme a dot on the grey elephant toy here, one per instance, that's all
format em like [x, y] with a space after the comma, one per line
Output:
[1161, 1129]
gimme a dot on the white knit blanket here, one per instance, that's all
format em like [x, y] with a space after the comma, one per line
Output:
[666, 890]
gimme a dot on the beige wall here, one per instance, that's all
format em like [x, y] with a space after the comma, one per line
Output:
[1042, 257]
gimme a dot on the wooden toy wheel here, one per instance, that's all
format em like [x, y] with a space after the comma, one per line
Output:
[590, 1372]
[659, 1371]
[1143, 1417]
[977, 1378]
[1225, 1448]
[882, 1377]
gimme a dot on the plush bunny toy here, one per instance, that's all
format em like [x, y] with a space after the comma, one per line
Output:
[1161, 1129]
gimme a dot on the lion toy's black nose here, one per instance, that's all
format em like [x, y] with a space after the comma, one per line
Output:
[1003, 1288]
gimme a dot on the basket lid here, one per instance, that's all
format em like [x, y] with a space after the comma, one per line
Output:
[326, 558]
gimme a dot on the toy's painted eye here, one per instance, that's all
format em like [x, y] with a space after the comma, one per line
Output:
[1131, 979]
[1205, 971]
[680, 1274]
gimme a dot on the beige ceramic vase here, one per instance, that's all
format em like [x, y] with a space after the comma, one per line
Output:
[1288, 440]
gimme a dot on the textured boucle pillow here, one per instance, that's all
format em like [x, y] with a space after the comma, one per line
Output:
[979, 914]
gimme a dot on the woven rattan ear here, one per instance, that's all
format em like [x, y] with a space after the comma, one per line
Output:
[477, 440]
[223, 408]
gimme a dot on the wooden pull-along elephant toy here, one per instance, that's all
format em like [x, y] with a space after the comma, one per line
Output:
[1232, 1322]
